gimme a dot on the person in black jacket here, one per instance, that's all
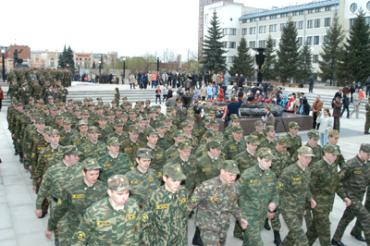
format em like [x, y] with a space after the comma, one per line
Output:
[345, 101]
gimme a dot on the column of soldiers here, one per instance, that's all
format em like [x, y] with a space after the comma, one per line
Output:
[124, 174]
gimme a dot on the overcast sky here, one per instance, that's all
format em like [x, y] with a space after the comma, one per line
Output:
[130, 27]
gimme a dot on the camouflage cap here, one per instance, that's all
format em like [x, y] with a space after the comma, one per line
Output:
[144, 153]
[133, 128]
[214, 145]
[305, 150]
[151, 131]
[293, 124]
[365, 148]
[93, 129]
[82, 122]
[118, 183]
[40, 120]
[85, 112]
[231, 166]
[118, 123]
[48, 130]
[54, 132]
[331, 148]
[113, 141]
[185, 144]
[265, 153]
[234, 117]
[282, 141]
[252, 139]
[269, 128]
[91, 164]
[70, 150]
[236, 129]
[174, 171]
[258, 123]
[67, 121]
[313, 134]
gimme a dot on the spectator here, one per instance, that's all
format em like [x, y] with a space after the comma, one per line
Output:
[358, 97]
[1, 97]
[304, 107]
[325, 122]
[203, 92]
[352, 90]
[210, 91]
[158, 94]
[345, 101]
[367, 84]
[169, 92]
[164, 92]
[316, 109]
[337, 106]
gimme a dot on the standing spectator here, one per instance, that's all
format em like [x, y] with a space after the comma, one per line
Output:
[311, 81]
[158, 94]
[1, 97]
[345, 105]
[241, 81]
[352, 90]
[337, 105]
[132, 81]
[203, 92]
[210, 91]
[358, 97]
[325, 123]
[367, 84]
[304, 107]
[316, 109]
[367, 117]
[164, 92]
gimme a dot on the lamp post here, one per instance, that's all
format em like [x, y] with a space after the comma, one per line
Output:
[99, 72]
[260, 59]
[3, 63]
[123, 69]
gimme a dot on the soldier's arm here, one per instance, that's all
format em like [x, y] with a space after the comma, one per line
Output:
[275, 193]
[59, 211]
[200, 193]
[44, 190]
[81, 236]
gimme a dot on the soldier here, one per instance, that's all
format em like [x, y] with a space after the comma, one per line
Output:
[92, 147]
[324, 184]
[113, 161]
[67, 132]
[294, 141]
[142, 179]
[235, 121]
[164, 142]
[215, 200]
[333, 138]
[118, 131]
[259, 130]
[367, 120]
[257, 196]
[247, 158]
[354, 181]
[269, 141]
[81, 136]
[167, 209]
[104, 128]
[171, 152]
[158, 157]
[131, 144]
[236, 144]
[294, 192]
[356, 231]
[111, 221]
[76, 198]
[313, 143]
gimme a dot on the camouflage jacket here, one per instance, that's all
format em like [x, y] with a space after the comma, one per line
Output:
[47, 158]
[91, 150]
[232, 148]
[293, 143]
[102, 225]
[245, 160]
[110, 166]
[208, 168]
[130, 148]
[190, 169]
[280, 161]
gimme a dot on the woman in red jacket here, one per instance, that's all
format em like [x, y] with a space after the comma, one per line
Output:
[1, 97]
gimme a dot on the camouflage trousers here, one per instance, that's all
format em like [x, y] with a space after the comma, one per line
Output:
[214, 235]
[252, 236]
[363, 217]
[357, 229]
[296, 235]
[65, 231]
[319, 228]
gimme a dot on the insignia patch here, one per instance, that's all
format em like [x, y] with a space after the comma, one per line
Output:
[183, 200]
[81, 235]
[131, 216]
[102, 223]
[162, 206]
[144, 217]
[78, 196]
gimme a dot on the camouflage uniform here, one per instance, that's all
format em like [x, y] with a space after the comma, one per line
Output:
[294, 142]
[245, 159]
[355, 178]
[256, 189]
[215, 203]
[232, 147]
[367, 120]
[104, 225]
[209, 167]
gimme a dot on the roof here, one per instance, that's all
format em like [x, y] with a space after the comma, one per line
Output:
[292, 8]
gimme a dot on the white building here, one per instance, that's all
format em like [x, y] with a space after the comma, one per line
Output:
[312, 21]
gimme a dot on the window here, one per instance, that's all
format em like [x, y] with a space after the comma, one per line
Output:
[252, 44]
[301, 12]
[300, 25]
[310, 11]
[325, 37]
[309, 40]
[300, 41]
[317, 10]
[317, 23]
[230, 59]
[244, 31]
[262, 18]
[368, 5]
[244, 21]
[232, 45]
[273, 17]
[316, 40]
[353, 7]
[327, 22]
[295, 13]
[262, 44]
[309, 24]
[252, 30]
[328, 8]
[272, 28]
[262, 29]
[315, 58]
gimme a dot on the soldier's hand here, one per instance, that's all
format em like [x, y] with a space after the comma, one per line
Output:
[313, 203]
[243, 224]
[48, 234]
[38, 213]
[347, 201]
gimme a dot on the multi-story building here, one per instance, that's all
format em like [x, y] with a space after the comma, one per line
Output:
[312, 21]
[44, 59]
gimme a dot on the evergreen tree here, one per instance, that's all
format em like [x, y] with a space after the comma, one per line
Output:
[354, 62]
[269, 66]
[331, 52]
[244, 62]
[66, 59]
[213, 59]
[288, 55]
[61, 59]
[304, 63]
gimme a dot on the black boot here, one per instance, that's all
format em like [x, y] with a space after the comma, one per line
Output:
[267, 225]
[196, 239]
[358, 237]
[277, 239]
[337, 243]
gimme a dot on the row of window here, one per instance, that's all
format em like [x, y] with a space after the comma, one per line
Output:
[288, 14]
[230, 59]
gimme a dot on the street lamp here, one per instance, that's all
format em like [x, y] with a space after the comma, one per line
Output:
[99, 72]
[123, 69]
[3, 62]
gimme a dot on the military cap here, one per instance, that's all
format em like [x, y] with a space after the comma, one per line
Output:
[269, 128]
[179, 133]
[305, 150]
[48, 130]
[185, 144]
[50, 97]
[59, 117]
[236, 129]
[152, 110]
[231, 166]
[313, 134]
[118, 183]
[265, 153]
[258, 123]
[113, 141]
[67, 121]
[82, 122]
[293, 124]
[159, 124]
[214, 144]
[40, 120]
[234, 117]
[118, 123]
[70, 150]
[365, 148]
[331, 148]
[252, 139]
[52, 107]
[174, 171]
[93, 129]
[151, 131]
[133, 128]
[144, 153]
[91, 164]
[282, 141]
[54, 132]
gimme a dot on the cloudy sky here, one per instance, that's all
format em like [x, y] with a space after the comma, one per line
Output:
[130, 27]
